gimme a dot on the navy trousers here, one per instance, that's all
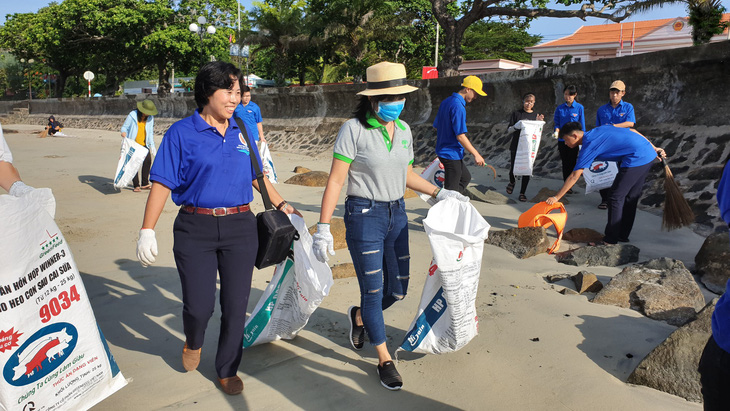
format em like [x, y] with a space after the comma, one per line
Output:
[622, 202]
[457, 175]
[714, 371]
[207, 247]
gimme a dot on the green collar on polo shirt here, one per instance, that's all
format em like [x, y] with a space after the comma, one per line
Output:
[374, 123]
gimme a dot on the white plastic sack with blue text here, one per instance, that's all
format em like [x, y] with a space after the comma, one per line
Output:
[297, 288]
[447, 319]
[527, 146]
[131, 157]
[52, 353]
[600, 175]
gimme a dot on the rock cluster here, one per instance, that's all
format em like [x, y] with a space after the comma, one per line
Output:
[662, 289]
[523, 242]
[713, 262]
[310, 179]
[609, 255]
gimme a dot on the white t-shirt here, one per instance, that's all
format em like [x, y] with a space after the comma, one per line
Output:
[5, 154]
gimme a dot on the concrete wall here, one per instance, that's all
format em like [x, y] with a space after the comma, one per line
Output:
[680, 96]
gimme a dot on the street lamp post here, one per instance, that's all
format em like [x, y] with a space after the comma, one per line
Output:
[198, 29]
[30, 78]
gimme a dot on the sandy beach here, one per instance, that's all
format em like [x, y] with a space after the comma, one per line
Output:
[581, 361]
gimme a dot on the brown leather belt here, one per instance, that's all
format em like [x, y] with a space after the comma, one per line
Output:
[216, 212]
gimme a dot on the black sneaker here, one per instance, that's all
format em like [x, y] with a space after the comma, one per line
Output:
[357, 332]
[389, 376]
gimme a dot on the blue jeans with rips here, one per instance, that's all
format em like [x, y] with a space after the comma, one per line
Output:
[377, 237]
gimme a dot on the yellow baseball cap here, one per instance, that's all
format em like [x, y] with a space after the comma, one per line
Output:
[474, 83]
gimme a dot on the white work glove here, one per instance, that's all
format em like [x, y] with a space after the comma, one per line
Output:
[451, 194]
[323, 243]
[555, 134]
[511, 129]
[146, 247]
[518, 125]
[19, 188]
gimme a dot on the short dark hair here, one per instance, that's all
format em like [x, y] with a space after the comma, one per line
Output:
[528, 94]
[569, 128]
[364, 105]
[571, 89]
[212, 77]
[245, 89]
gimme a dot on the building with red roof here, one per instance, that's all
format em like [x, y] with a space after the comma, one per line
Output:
[602, 41]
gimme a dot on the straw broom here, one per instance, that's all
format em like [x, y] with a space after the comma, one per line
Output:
[677, 212]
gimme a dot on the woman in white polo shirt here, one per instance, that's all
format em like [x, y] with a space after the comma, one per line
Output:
[374, 153]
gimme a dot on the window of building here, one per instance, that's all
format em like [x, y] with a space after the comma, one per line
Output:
[576, 60]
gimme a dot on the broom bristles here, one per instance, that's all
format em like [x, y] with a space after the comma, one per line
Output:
[677, 212]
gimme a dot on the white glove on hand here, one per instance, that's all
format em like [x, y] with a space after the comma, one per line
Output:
[555, 134]
[511, 129]
[323, 243]
[19, 188]
[518, 125]
[451, 194]
[146, 247]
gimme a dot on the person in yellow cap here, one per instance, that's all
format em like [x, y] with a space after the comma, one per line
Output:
[138, 126]
[451, 139]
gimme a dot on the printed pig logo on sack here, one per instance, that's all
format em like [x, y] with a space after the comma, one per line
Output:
[598, 166]
[44, 351]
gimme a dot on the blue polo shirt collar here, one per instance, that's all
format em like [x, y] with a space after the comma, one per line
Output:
[460, 99]
[202, 125]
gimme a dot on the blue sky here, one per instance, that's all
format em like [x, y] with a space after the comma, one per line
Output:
[549, 28]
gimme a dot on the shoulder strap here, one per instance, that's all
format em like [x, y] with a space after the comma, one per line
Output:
[256, 165]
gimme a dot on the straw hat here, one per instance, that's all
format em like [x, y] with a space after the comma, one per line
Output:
[386, 78]
[147, 107]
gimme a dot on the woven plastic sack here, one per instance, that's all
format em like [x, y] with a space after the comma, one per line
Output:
[53, 354]
[130, 160]
[600, 175]
[446, 319]
[435, 175]
[297, 288]
[527, 146]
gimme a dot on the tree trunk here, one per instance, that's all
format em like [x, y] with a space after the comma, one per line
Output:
[451, 59]
[60, 83]
[163, 84]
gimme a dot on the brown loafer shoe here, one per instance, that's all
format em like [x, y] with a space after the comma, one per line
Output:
[190, 358]
[231, 385]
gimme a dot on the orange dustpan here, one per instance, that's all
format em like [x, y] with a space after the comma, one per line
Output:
[542, 215]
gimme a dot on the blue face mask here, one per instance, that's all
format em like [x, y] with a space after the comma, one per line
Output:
[390, 110]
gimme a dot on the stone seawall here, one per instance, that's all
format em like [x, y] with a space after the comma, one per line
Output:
[680, 97]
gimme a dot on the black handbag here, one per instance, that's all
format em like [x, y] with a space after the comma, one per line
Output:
[276, 232]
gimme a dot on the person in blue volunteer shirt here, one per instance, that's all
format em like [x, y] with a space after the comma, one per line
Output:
[618, 113]
[250, 113]
[205, 164]
[451, 139]
[714, 364]
[632, 150]
[373, 152]
[568, 112]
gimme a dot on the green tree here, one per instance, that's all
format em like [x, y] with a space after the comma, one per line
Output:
[495, 40]
[519, 12]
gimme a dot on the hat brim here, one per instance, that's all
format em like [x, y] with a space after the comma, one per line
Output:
[480, 92]
[143, 110]
[388, 91]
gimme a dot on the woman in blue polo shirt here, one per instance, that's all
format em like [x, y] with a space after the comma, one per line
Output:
[205, 164]
[568, 112]
[374, 153]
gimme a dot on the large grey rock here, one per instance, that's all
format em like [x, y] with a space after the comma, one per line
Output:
[523, 242]
[672, 366]
[582, 235]
[586, 282]
[713, 262]
[609, 255]
[487, 195]
[310, 179]
[546, 193]
[662, 289]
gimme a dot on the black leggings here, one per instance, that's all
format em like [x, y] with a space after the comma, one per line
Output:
[568, 156]
[457, 175]
[525, 179]
[146, 165]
